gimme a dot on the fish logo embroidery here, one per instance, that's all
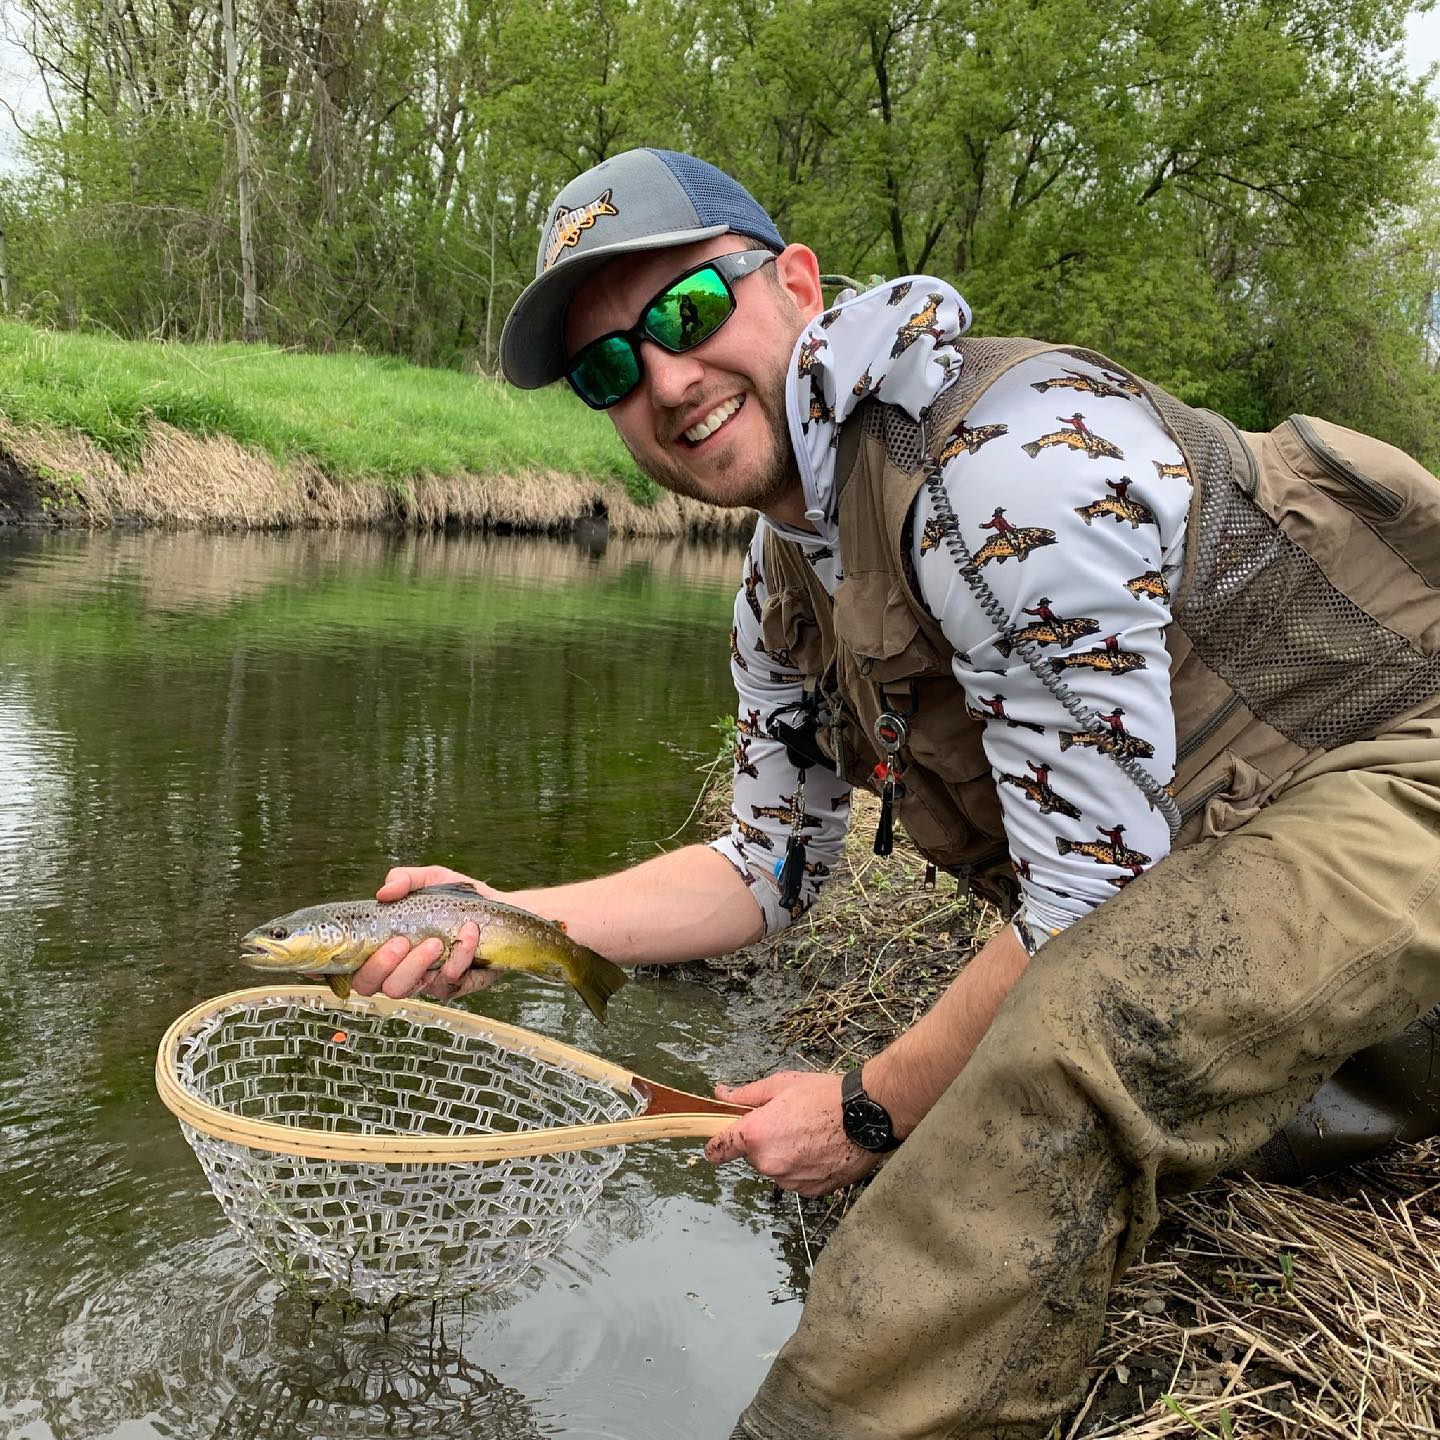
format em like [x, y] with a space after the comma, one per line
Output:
[750, 725]
[1078, 436]
[755, 835]
[570, 225]
[899, 293]
[1049, 628]
[1119, 505]
[1010, 542]
[969, 440]
[735, 654]
[1172, 472]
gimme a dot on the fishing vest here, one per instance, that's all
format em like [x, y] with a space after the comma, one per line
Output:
[1308, 614]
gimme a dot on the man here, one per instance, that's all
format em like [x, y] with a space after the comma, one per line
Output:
[1162, 691]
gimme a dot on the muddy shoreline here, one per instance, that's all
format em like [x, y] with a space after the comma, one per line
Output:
[58, 480]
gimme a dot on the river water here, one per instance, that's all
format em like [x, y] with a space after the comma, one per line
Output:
[198, 732]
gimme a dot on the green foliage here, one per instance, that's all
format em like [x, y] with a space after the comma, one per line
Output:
[354, 415]
[1232, 198]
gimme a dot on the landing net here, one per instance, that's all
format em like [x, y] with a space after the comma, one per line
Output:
[353, 1075]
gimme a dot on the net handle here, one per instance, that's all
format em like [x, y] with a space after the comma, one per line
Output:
[680, 1114]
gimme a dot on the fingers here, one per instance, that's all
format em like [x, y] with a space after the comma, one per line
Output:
[397, 969]
[459, 975]
[462, 954]
[757, 1092]
[401, 880]
[730, 1144]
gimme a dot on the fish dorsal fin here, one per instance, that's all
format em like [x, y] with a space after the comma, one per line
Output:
[451, 888]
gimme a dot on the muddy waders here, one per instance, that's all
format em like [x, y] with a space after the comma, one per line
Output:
[1159, 1041]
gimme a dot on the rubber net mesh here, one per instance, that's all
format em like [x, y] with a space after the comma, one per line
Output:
[384, 1232]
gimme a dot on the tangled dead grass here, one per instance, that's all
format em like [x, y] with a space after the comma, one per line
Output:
[1258, 1309]
[212, 482]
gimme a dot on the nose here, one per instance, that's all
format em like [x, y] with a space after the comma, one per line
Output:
[670, 377]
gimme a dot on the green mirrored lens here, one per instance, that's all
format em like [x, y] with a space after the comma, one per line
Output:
[606, 372]
[690, 311]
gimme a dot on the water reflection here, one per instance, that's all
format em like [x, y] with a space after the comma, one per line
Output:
[197, 732]
[379, 1385]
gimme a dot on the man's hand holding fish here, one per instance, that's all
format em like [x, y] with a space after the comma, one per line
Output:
[397, 969]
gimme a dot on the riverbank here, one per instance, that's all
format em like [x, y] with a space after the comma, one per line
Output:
[1257, 1310]
[96, 431]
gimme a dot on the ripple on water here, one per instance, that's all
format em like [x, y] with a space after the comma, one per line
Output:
[199, 1342]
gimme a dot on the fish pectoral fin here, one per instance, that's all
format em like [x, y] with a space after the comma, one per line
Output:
[339, 986]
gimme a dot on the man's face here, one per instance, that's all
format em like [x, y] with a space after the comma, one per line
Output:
[736, 377]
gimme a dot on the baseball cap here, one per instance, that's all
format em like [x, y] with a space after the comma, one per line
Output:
[644, 199]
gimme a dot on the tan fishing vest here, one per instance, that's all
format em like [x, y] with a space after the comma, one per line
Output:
[1308, 615]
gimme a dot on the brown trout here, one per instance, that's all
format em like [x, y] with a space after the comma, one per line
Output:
[335, 940]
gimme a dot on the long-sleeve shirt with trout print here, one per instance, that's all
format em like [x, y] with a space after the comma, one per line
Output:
[1072, 499]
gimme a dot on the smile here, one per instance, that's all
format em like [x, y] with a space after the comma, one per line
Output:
[713, 421]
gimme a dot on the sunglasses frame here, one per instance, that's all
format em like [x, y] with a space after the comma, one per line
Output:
[728, 268]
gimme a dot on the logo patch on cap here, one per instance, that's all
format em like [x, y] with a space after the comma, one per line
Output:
[570, 225]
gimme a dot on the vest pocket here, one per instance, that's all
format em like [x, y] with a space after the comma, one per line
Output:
[1357, 463]
[788, 626]
[875, 620]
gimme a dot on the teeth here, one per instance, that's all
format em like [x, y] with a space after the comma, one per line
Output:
[712, 422]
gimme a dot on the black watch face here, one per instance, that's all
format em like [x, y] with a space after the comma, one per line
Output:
[868, 1124]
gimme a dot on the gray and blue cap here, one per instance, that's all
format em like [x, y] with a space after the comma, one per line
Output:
[640, 200]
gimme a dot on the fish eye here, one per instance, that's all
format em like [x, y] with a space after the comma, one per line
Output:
[278, 932]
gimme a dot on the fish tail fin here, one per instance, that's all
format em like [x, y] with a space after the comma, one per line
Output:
[339, 986]
[596, 980]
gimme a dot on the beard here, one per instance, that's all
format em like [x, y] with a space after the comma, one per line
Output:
[753, 484]
[767, 482]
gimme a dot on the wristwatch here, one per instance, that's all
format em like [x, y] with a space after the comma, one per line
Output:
[866, 1121]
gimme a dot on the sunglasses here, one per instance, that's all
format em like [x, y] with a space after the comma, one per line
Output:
[689, 310]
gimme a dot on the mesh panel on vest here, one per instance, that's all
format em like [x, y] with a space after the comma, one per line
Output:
[1257, 608]
[1259, 611]
[982, 360]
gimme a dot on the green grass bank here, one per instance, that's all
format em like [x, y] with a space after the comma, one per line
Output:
[95, 430]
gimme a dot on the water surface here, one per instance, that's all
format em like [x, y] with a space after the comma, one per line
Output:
[198, 732]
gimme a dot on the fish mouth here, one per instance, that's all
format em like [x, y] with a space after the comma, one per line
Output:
[257, 952]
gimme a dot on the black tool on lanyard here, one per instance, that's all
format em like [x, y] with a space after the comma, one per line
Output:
[891, 732]
[792, 872]
[802, 751]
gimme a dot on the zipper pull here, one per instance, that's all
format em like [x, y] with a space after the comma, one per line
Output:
[891, 732]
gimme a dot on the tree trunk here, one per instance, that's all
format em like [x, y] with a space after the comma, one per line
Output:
[250, 299]
[4, 271]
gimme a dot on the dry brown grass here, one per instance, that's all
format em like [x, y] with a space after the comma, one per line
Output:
[213, 482]
[1258, 1309]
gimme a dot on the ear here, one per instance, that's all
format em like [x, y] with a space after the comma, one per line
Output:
[799, 272]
